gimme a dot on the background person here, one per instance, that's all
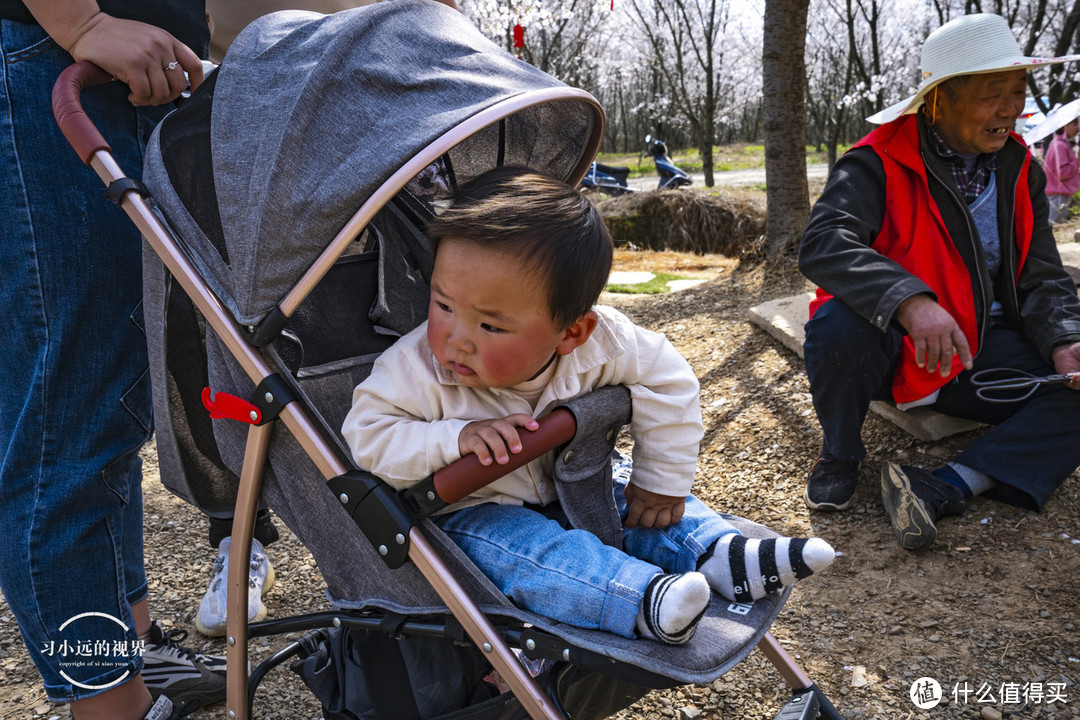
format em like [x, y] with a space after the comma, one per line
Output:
[1062, 171]
[75, 405]
[952, 271]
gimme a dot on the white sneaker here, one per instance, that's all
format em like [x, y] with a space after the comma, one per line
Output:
[211, 620]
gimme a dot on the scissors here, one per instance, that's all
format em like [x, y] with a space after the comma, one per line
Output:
[1010, 385]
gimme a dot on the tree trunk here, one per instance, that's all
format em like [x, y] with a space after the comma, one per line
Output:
[705, 146]
[783, 67]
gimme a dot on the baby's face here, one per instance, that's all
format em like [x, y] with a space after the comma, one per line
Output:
[488, 321]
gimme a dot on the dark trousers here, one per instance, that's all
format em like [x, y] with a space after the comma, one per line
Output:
[265, 531]
[1032, 448]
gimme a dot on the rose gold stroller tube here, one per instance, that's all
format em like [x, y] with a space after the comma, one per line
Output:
[247, 504]
[793, 675]
[480, 629]
[160, 239]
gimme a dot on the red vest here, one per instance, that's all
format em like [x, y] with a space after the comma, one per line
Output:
[914, 234]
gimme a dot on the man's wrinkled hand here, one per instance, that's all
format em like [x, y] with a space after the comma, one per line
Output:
[1066, 360]
[934, 333]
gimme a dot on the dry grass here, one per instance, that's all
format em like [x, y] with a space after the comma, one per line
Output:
[725, 222]
[674, 263]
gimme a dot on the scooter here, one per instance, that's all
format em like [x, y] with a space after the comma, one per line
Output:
[610, 179]
[670, 175]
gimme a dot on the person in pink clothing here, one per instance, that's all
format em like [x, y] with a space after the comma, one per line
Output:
[1062, 171]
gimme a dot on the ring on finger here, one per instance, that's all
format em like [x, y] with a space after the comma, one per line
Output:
[172, 66]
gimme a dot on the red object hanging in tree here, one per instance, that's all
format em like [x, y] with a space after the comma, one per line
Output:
[519, 38]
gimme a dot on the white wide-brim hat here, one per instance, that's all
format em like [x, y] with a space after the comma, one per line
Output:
[979, 43]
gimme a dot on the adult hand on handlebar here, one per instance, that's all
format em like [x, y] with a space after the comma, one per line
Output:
[148, 59]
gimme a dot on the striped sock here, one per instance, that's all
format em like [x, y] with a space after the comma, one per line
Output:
[744, 570]
[672, 606]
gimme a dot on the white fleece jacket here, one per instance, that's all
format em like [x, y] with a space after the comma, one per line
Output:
[406, 417]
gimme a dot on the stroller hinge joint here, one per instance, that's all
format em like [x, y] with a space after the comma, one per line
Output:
[271, 396]
[542, 646]
[267, 330]
[379, 513]
[803, 705]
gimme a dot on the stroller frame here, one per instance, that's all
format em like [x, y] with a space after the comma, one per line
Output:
[397, 537]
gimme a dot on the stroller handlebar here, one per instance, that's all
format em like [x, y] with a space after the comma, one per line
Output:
[465, 476]
[76, 125]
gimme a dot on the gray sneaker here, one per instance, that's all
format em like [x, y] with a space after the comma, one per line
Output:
[189, 679]
[914, 500]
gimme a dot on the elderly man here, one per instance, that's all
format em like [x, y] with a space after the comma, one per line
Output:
[934, 258]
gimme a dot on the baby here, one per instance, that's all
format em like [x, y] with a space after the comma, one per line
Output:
[512, 332]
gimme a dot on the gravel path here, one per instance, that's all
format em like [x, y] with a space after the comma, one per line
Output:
[992, 606]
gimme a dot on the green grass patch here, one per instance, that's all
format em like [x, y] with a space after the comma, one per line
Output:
[725, 157]
[659, 284]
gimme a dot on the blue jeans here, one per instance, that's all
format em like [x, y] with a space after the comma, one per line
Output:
[75, 398]
[569, 575]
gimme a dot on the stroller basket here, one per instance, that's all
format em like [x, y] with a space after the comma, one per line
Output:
[290, 194]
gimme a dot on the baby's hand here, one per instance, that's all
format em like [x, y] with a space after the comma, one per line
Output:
[496, 438]
[652, 510]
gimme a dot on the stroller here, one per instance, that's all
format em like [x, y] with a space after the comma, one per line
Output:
[283, 208]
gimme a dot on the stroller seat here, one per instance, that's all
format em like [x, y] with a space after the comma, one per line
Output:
[328, 347]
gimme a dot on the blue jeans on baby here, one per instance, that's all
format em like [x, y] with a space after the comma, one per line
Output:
[75, 392]
[569, 575]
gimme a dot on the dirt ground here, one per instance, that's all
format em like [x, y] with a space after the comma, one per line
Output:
[989, 612]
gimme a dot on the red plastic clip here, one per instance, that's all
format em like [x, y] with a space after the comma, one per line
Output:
[230, 407]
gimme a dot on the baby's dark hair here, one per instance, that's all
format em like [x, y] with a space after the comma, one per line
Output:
[546, 224]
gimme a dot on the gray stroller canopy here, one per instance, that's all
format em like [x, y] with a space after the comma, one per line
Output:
[313, 115]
